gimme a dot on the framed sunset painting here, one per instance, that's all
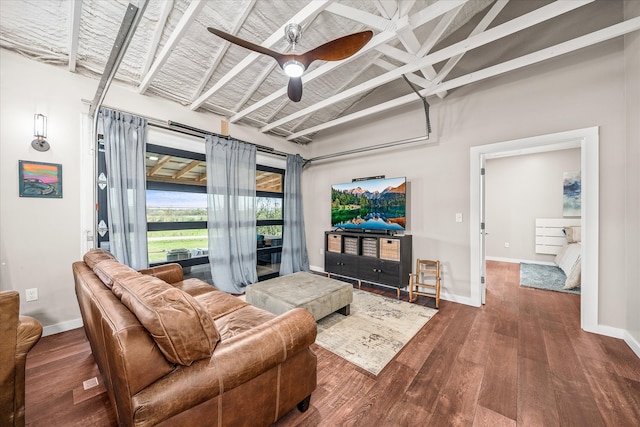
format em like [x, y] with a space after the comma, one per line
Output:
[38, 179]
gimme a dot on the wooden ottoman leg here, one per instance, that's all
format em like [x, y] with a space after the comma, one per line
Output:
[345, 311]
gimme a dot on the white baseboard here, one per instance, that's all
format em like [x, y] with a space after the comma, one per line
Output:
[609, 331]
[456, 298]
[518, 261]
[62, 327]
[632, 342]
[316, 268]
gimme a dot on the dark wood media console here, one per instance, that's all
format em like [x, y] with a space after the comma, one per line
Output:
[367, 257]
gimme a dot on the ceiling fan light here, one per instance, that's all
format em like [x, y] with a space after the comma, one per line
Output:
[293, 68]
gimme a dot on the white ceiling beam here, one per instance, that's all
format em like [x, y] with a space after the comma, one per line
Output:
[599, 36]
[338, 90]
[223, 50]
[309, 11]
[256, 84]
[412, 45]
[404, 6]
[397, 54]
[417, 80]
[430, 12]
[370, 20]
[435, 35]
[157, 34]
[189, 16]
[74, 33]
[482, 25]
[438, 9]
[525, 21]
[387, 8]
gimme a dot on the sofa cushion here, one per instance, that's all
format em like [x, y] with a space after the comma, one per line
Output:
[109, 270]
[94, 256]
[183, 330]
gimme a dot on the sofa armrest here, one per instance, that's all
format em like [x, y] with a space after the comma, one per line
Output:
[29, 332]
[234, 362]
[170, 273]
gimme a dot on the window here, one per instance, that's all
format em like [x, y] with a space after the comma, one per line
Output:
[177, 209]
[177, 212]
[269, 220]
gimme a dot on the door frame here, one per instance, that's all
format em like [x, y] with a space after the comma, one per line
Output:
[587, 140]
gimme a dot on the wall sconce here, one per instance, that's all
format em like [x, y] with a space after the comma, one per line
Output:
[40, 132]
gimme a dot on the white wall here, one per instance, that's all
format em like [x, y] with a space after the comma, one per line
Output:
[41, 238]
[579, 90]
[632, 223]
[520, 189]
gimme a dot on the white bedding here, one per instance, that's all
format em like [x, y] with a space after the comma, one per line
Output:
[569, 259]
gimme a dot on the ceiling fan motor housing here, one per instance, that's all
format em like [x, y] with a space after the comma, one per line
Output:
[293, 32]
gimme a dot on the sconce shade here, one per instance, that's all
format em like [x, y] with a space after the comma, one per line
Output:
[40, 132]
[40, 126]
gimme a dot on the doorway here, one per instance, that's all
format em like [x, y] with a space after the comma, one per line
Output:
[585, 139]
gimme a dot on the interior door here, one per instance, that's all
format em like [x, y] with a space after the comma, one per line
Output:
[483, 232]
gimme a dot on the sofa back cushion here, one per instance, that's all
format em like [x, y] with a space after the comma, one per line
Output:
[183, 330]
[94, 256]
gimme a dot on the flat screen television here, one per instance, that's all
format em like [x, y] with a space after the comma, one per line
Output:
[370, 205]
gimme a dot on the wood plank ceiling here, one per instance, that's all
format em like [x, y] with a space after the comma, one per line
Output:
[173, 56]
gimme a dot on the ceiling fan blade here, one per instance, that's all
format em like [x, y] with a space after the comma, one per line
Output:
[294, 90]
[248, 45]
[337, 49]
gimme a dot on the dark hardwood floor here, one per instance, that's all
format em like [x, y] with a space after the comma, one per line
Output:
[520, 360]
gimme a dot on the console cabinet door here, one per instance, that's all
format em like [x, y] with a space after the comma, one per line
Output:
[342, 264]
[350, 265]
[368, 269]
[333, 263]
[389, 273]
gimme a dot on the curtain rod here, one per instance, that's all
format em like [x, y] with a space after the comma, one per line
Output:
[190, 130]
[364, 149]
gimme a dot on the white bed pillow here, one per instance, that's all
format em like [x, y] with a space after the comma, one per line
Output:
[573, 234]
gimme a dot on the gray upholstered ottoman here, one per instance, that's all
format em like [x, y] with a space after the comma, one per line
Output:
[320, 295]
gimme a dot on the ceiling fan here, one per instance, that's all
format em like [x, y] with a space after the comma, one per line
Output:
[294, 64]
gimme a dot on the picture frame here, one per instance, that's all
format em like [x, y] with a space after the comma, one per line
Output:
[571, 194]
[38, 179]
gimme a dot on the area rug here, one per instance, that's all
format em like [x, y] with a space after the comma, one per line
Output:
[547, 277]
[375, 331]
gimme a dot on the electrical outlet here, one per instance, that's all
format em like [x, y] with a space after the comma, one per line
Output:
[90, 383]
[459, 217]
[31, 294]
[506, 244]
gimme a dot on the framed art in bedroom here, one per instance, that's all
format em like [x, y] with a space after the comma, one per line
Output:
[571, 192]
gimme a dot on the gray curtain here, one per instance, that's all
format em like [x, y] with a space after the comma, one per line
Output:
[231, 201]
[294, 243]
[125, 138]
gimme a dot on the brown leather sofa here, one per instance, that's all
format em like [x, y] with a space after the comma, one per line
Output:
[18, 334]
[179, 352]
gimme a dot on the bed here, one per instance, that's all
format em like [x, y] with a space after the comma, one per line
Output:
[569, 258]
